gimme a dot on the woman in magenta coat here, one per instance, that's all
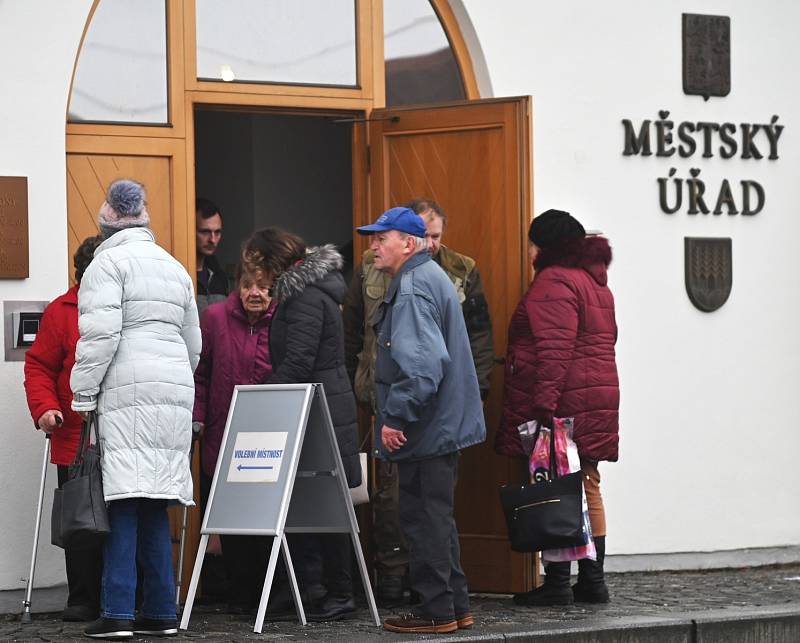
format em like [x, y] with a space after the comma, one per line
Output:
[48, 364]
[235, 351]
[561, 363]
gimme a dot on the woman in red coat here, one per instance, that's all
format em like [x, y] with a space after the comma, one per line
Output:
[561, 363]
[48, 364]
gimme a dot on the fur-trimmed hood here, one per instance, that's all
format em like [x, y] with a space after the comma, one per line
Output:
[320, 267]
[593, 254]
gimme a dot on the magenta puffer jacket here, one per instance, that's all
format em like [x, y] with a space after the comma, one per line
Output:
[561, 360]
[234, 352]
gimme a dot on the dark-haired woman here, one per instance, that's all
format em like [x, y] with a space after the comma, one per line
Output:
[561, 363]
[307, 345]
[48, 364]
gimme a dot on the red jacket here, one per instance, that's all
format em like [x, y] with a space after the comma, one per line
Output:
[561, 360]
[48, 364]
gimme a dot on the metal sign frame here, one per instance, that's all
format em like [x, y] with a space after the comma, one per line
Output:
[314, 397]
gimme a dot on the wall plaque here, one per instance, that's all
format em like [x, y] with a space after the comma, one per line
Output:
[706, 55]
[708, 271]
[13, 227]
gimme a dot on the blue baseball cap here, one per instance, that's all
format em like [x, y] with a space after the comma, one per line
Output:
[400, 219]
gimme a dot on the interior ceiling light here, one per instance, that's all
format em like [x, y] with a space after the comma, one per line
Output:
[226, 73]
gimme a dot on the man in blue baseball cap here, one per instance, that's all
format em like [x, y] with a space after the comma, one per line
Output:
[428, 407]
[391, 250]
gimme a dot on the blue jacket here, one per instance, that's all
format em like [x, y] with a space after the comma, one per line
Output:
[425, 381]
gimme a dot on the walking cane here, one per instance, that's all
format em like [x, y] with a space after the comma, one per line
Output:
[26, 603]
[184, 526]
[179, 582]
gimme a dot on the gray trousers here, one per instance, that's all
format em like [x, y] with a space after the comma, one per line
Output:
[426, 515]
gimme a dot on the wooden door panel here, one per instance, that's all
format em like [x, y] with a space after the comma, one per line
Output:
[88, 177]
[474, 160]
[93, 162]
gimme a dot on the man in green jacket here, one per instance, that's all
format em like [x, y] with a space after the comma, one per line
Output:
[363, 299]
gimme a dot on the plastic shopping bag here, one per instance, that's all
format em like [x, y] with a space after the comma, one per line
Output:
[567, 461]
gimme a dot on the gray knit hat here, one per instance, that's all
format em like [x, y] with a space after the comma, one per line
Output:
[124, 207]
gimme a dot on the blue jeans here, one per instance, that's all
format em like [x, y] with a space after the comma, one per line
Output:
[139, 533]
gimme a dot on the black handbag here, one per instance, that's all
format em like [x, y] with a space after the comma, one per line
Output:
[546, 514]
[79, 518]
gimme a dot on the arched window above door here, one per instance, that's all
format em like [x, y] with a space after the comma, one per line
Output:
[420, 64]
[121, 73]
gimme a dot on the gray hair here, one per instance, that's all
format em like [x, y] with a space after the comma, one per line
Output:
[421, 243]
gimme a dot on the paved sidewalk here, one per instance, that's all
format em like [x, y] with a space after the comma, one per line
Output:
[759, 604]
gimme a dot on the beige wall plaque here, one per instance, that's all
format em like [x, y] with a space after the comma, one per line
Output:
[13, 227]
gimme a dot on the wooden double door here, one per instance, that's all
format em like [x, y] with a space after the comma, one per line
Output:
[474, 158]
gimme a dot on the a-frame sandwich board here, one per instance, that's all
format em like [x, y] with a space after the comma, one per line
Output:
[279, 471]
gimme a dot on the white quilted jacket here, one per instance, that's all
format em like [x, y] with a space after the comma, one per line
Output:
[139, 345]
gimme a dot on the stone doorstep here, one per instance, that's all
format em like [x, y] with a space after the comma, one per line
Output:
[769, 623]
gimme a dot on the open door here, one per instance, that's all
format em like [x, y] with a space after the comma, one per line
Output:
[474, 159]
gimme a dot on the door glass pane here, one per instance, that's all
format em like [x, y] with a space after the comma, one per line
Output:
[122, 70]
[420, 64]
[277, 41]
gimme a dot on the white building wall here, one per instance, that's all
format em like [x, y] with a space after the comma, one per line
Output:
[709, 410]
[38, 44]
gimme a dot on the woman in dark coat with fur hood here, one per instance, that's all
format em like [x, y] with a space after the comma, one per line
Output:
[306, 342]
[561, 363]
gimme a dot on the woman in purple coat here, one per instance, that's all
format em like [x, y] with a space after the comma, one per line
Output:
[235, 351]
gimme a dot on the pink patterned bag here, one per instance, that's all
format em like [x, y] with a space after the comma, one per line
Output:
[567, 461]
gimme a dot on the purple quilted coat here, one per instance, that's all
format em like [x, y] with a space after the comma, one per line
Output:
[561, 360]
[234, 352]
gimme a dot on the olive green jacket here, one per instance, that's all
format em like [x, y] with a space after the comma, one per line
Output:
[364, 297]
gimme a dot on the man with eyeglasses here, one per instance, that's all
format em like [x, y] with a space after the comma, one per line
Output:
[212, 282]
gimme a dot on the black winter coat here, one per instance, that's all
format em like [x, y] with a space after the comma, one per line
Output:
[306, 340]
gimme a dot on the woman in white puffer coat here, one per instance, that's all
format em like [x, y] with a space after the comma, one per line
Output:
[140, 343]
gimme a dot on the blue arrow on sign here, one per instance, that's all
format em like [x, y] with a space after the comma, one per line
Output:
[241, 466]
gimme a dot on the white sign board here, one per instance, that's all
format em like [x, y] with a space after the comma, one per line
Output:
[257, 457]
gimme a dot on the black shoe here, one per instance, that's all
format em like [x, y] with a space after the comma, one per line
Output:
[312, 594]
[590, 593]
[555, 591]
[332, 608]
[110, 628]
[156, 626]
[591, 586]
[79, 614]
[280, 607]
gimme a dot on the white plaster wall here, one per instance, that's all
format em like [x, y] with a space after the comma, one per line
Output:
[38, 42]
[710, 409]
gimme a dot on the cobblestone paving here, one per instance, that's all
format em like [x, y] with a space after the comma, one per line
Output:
[656, 594]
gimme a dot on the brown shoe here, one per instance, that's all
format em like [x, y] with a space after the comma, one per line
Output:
[413, 624]
[465, 621]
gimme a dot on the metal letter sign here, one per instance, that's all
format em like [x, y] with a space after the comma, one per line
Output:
[279, 471]
[708, 271]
